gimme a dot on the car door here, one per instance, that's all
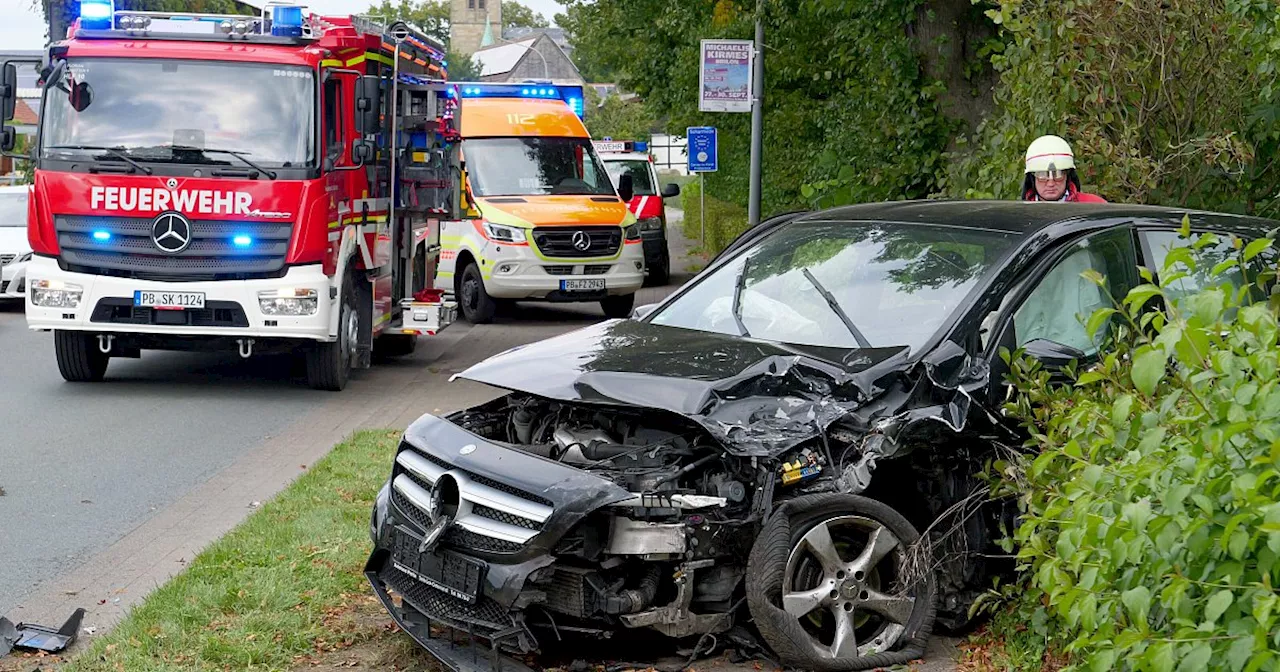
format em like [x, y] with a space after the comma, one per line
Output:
[1046, 312]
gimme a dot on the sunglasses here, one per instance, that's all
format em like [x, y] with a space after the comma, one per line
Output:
[1049, 174]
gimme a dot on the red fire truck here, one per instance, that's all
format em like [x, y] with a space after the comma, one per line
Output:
[262, 183]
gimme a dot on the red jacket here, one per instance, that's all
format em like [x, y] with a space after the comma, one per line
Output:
[1073, 196]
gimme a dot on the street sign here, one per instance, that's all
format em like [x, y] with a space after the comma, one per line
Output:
[702, 148]
[724, 75]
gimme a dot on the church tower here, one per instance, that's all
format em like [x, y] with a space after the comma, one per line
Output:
[468, 22]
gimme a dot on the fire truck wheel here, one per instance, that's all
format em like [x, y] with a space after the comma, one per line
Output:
[618, 307]
[477, 306]
[79, 359]
[329, 364]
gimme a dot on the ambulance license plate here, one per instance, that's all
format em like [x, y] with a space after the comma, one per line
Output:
[582, 285]
[168, 300]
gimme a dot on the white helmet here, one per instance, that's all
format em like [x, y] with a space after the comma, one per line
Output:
[1049, 153]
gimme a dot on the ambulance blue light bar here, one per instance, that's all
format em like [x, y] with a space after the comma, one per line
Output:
[571, 94]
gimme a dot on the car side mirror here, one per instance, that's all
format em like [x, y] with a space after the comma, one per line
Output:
[361, 152]
[626, 188]
[1052, 354]
[368, 99]
[643, 311]
[671, 190]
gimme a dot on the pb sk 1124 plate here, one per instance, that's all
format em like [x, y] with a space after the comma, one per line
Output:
[168, 300]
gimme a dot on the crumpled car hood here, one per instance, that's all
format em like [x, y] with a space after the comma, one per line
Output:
[757, 398]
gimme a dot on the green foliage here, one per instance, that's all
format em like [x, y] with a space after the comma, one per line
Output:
[516, 15]
[725, 221]
[617, 118]
[1162, 101]
[1150, 537]
[846, 107]
[462, 67]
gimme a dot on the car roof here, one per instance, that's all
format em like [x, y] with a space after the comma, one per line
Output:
[1026, 218]
[623, 156]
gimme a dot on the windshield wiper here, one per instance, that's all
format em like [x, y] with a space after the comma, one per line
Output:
[740, 284]
[239, 155]
[835, 307]
[113, 151]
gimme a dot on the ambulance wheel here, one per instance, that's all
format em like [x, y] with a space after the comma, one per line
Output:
[477, 306]
[79, 359]
[618, 307]
[394, 345]
[329, 364]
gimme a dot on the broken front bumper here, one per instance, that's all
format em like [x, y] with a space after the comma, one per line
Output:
[506, 510]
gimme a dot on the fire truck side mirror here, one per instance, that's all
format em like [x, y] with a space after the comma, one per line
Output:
[8, 91]
[361, 152]
[8, 138]
[368, 101]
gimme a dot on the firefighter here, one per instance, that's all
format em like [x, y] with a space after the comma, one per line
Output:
[1051, 173]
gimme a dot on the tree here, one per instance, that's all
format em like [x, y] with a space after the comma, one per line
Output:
[516, 15]
[617, 118]
[463, 68]
[429, 16]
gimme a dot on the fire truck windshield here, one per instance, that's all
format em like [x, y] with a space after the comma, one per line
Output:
[534, 166]
[149, 106]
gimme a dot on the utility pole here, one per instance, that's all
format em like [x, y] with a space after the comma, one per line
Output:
[757, 118]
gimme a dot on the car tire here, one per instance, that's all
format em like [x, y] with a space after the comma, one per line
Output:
[79, 359]
[390, 346]
[618, 307]
[329, 364]
[844, 564]
[477, 306]
[660, 273]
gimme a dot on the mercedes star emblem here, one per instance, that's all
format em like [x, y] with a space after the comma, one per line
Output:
[171, 232]
[581, 241]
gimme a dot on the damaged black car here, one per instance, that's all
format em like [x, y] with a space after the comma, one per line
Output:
[789, 446]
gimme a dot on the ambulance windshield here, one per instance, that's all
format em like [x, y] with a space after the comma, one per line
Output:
[148, 107]
[535, 166]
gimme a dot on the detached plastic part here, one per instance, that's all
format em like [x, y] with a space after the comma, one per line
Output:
[39, 637]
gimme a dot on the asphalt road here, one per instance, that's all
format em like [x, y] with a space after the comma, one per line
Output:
[83, 465]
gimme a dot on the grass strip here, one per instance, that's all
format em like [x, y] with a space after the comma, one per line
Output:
[270, 593]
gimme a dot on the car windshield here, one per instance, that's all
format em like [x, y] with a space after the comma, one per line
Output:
[841, 284]
[147, 106]
[639, 172]
[13, 209]
[534, 167]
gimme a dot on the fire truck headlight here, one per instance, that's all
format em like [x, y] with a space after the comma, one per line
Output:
[651, 224]
[55, 294]
[289, 301]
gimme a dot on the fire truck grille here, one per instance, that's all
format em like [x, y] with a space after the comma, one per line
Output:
[566, 243]
[214, 314]
[122, 246]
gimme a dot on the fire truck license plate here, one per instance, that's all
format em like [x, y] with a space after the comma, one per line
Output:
[168, 300]
[582, 285]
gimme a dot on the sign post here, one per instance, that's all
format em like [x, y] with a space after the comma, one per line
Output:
[703, 158]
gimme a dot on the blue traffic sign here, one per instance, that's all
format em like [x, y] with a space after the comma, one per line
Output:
[702, 149]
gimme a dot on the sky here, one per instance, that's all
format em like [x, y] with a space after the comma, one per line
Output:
[22, 25]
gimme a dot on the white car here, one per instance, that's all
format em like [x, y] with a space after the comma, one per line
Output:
[15, 252]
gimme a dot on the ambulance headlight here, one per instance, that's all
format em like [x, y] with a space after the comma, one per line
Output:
[651, 224]
[500, 233]
[55, 294]
[632, 233]
[289, 301]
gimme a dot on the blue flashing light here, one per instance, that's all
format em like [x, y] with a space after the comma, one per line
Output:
[97, 14]
[640, 146]
[286, 21]
[101, 236]
[242, 241]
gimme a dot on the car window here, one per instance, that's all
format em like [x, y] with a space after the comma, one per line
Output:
[896, 284]
[1160, 243]
[13, 209]
[1062, 301]
[641, 178]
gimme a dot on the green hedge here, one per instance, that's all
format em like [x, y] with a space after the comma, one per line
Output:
[724, 220]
